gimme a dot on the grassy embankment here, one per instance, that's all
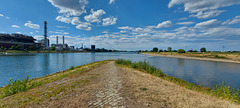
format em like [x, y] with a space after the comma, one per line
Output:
[20, 87]
[217, 55]
[222, 91]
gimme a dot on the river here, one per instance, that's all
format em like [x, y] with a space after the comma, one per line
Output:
[195, 71]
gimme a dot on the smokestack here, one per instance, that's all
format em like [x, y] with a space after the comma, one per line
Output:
[57, 40]
[63, 40]
[45, 29]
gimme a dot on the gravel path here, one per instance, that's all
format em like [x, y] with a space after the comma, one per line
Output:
[109, 95]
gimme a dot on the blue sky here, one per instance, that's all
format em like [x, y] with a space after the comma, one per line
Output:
[128, 24]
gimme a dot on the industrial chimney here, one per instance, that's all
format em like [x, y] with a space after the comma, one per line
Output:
[45, 29]
[63, 40]
[57, 40]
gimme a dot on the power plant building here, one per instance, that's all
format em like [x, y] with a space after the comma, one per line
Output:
[62, 46]
[8, 40]
[45, 42]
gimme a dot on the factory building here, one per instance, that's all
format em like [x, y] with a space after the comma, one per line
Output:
[62, 46]
[44, 42]
[93, 47]
[8, 40]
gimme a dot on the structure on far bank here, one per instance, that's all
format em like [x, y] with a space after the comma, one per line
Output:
[24, 41]
[44, 42]
[62, 46]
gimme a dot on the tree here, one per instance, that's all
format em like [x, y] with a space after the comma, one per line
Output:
[160, 50]
[13, 47]
[169, 49]
[2, 48]
[155, 49]
[181, 51]
[203, 49]
[31, 48]
[53, 48]
[18, 47]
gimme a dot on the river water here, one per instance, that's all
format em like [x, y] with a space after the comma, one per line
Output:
[195, 71]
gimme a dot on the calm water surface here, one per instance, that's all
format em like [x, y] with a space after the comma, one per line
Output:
[195, 71]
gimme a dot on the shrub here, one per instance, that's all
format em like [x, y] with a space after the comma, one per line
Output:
[16, 87]
[72, 67]
[181, 51]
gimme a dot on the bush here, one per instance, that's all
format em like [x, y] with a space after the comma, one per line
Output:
[181, 51]
[72, 67]
[16, 87]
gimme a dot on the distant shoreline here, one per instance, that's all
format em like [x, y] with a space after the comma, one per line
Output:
[194, 58]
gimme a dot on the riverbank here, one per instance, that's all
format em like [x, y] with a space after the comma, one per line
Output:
[22, 52]
[234, 58]
[105, 84]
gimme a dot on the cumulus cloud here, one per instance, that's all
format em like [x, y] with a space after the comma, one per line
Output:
[1, 15]
[64, 19]
[30, 25]
[125, 28]
[60, 32]
[95, 16]
[62, 27]
[84, 26]
[203, 8]
[185, 23]
[208, 24]
[165, 24]
[70, 7]
[111, 1]
[15, 26]
[81, 25]
[232, 21]
[208, 14]
[109, 21]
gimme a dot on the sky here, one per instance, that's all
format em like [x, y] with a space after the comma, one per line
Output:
[128, 24]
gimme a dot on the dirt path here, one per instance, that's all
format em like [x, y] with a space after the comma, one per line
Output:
[111, 86]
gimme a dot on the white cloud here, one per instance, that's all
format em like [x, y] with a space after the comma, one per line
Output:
[64, 19]
[125, 28]
[31, 32]
[81, 25]
[208, 14]
[185, 23]
[15, 26]
[1, 15]
[30, 25]
[70, 7]
[109, 21]
[203, 8]
[111, 1]
[165, 24]
[95, 16]
[208, 24]
[60, 32]
[62, 27]
[232, 21]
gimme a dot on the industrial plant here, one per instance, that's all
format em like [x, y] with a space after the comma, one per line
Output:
[25, 42]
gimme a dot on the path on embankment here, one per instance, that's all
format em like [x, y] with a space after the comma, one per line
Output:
[115, 86]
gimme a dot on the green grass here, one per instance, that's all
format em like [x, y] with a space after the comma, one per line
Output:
[26, 84]
[223, 90]
[16, 87]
